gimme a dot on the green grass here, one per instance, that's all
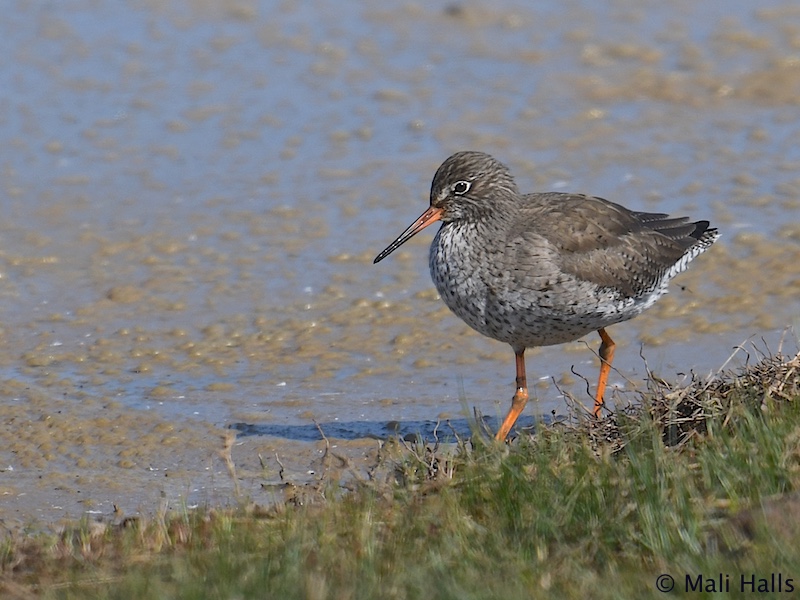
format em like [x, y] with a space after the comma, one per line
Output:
[559, 515]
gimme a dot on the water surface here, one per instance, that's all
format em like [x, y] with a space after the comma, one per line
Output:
[193, 196]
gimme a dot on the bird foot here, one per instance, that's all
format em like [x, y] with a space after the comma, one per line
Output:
[518, 403]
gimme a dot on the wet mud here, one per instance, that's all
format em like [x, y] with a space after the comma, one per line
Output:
[193, 196]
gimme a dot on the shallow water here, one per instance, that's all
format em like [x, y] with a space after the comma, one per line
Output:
[193, 197]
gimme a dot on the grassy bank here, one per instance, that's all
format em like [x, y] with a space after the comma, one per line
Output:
[696, 483]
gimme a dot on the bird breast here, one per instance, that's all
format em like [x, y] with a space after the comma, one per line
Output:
[523, 304]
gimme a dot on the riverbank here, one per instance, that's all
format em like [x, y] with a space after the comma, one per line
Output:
[691, 487]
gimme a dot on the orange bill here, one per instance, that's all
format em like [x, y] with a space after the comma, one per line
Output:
[430, 216]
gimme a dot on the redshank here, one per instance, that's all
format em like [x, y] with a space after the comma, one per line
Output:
[546, 268]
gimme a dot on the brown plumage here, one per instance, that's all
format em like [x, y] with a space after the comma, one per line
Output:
[543, 269]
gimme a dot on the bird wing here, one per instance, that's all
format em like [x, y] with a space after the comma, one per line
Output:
[601, 242]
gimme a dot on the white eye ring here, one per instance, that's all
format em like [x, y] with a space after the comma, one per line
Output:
[461, 187]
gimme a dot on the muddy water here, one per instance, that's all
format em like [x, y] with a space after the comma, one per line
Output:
[193, 195]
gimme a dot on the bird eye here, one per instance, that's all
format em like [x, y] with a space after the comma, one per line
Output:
[461, 187]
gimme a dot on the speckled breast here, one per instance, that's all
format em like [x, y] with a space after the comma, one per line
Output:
[479, 287]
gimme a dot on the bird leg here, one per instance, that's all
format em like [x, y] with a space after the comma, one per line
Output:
[607, 346]
[519, 400]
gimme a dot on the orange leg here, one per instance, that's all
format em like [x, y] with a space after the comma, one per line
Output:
[606, 356]
[519, 400]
